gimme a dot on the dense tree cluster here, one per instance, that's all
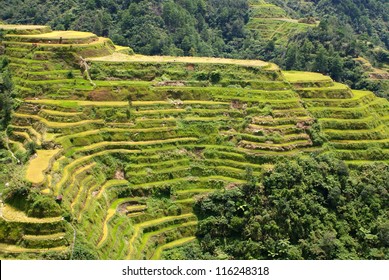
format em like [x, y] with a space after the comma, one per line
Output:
[367, 18]
[332, 49]
[6, 88]
[174, 27]
[308, 208]
[348, 30]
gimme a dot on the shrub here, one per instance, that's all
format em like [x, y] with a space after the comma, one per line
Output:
[215, 77]
[44, 206]
[70, 75]
[82, 251]
[201, 76]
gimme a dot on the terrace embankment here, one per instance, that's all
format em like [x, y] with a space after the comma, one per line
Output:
[129, 142]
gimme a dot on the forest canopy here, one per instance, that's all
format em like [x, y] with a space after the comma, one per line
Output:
[179, 27]
[306, 208]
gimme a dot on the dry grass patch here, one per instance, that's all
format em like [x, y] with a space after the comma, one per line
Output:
[298, 76]
[11, 214]
[20, 27]
[38, 165]
[16, 249]
[119, 57]
[56, 35]
[54, 236]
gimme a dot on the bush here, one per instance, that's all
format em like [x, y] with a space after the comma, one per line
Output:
[215, 77]
[83, 251]
[201, 76]
[44, 206]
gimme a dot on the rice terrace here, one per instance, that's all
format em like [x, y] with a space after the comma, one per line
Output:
[119, 147]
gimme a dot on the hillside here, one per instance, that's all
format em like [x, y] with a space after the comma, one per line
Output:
[174, 27]
[351, 47]
[116, 148]
[270, 22]
[334, 38]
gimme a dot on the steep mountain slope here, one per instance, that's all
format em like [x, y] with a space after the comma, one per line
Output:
[350, 44]
[118, 147]
[175, 27]
[287, 33]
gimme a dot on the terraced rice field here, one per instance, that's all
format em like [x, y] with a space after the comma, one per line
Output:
[130, 150]
[119, 57]
[271, 22]
[38, 165]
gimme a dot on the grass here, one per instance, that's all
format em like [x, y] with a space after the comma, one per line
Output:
[146, 237]
[180, 193]
[365, 162]
[119, 57]
[84, 160]
[359, 98]
[158, 164]
[266, 11]
[23, 135]
[57, 124]
[33, 134]
[83, 103]
[76, 173]
[86, 204]
[138, 229]
[190, 138]
[303, 77]
[362, 110]
[81, 192]
[379, 132]
[344, 124]
[54, 236]
[38, 165]
[7, 248]
[110, 213]
[111, 184]
[136, 208]
[16, 146]
[276, 28]
[21, 27]
[173, 244]
[97, 41]
[234, 163]
[125, 144]
[96, 132]
[10, 214]
[334, 86]
[56, 35]
[194, 179]
[60, 113]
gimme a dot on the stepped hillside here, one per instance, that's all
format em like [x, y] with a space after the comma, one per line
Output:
[272, 23]
[127, 143]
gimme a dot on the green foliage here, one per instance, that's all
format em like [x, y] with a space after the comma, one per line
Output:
[318, 139]
[19, 193]
[174, 27]
[192, 251]
[215, 77]
[43, 206]
[347, 30]
[16, 190]
[366, 18]
[300, 208]
[308, 208]
[6, 98]
[83, 251]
